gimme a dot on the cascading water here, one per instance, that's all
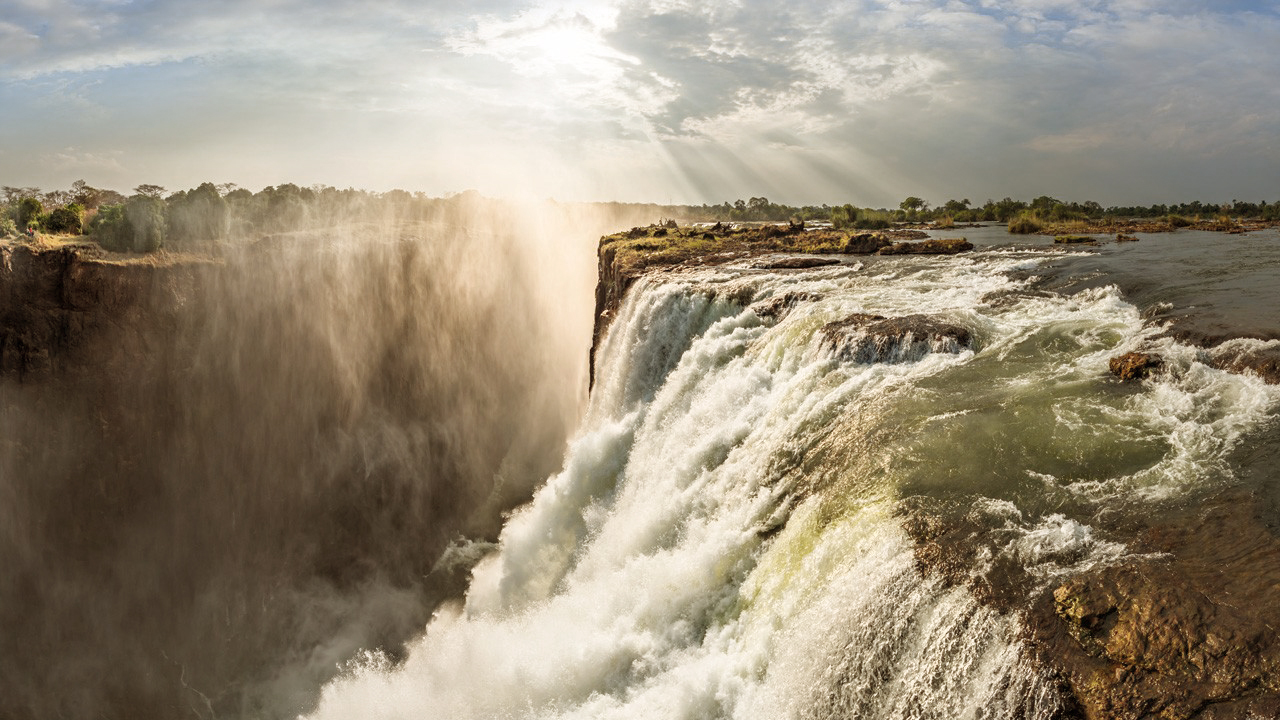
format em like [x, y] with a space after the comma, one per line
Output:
[726, 537]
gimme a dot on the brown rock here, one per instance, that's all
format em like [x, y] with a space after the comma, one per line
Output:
[795, 263]
[1135, 365]
[865, 338]
[933, 246]
[775, 308]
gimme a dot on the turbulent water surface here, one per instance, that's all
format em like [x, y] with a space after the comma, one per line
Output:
[726, 537]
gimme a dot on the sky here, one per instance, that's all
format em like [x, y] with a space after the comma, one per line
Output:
[857, 101]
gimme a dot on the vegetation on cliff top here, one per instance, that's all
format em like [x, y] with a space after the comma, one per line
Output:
[153, 218]
[669, 244]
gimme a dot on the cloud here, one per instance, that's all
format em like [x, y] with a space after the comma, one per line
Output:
[861, 100]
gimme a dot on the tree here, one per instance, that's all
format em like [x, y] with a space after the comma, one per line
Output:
[66, 219]
[198, 215]
[913, 205]
[145, 215]
[28, 212]
[151, 191]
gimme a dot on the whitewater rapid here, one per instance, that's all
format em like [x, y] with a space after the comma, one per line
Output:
[724, 539]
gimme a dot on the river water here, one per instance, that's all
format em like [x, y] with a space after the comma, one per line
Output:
[726, 536]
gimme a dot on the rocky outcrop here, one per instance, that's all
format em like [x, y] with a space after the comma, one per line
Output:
[627, 255]
[1262, 361]
[1135, 365]
[1185, 628]
[777, 307]
[934, 246]
[795, 263]
[864, 338]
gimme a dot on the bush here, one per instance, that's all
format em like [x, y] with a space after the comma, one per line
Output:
[110, 229]
[8, 228]
[27, 213]
[946, 221]
[1178, 221]
[146, 222]
[844, 216]
[136, 226]
[66, 219]
[1026, 223]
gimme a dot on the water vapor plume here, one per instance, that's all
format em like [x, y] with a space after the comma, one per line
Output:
[248, 466]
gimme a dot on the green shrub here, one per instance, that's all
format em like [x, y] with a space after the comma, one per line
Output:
[844, 216]
[8, 228]
[1026, 223]
[146, 221]
[28, 213]
[66, 219]
[1178, 221]
[110, 229]
[136, 226]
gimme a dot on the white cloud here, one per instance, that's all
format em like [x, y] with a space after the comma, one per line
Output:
[876, 97]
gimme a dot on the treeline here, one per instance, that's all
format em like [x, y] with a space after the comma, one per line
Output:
[915, 209]
[152, 217]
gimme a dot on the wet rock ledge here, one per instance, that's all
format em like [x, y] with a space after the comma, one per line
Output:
[625, 256]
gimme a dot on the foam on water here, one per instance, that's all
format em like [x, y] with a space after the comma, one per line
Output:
[714, 548]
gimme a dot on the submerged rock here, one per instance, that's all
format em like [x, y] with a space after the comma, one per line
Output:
[865, 338]
[1075, 240]
[1135, 365]
[777, 307]
[1121, 237]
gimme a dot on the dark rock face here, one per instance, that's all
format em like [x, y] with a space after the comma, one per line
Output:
[863, 338]
[777, 307]
[934, 246]
[795, 263]
[55, 304]
[1135, 365]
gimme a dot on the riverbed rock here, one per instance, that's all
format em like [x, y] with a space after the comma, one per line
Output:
[1121, 237]
[1135, 365]
[867, 338]
[1075, 240]
[777, 307]
[794, 263]
[1262, 361]
[932, 246]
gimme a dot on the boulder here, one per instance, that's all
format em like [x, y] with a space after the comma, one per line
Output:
[1135, 365]
[776, 307]
[865, 338]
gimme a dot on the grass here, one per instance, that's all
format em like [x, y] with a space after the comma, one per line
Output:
[1025, 224]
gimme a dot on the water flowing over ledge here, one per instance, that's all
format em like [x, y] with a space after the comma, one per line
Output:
[753, 522]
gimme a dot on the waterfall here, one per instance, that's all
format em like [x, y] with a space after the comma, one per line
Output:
[725, 538]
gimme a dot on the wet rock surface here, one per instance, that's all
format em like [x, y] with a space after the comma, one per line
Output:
[1263, 362]
[794, 263]
[777, 307]
[1135, 365]
[865, 338]
[1184, 627]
